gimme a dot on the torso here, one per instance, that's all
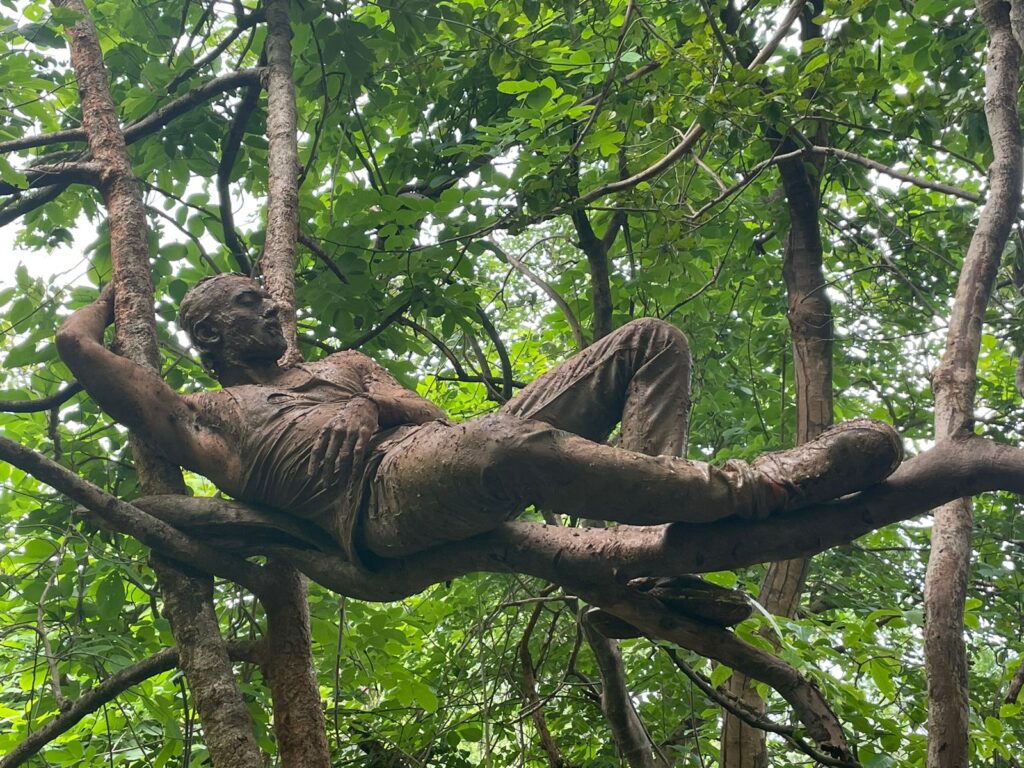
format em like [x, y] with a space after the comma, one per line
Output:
[267, 432]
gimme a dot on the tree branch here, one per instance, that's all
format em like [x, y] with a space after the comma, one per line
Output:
[43, 403]
[124, 517]
[696, 130]
[629, 733]
[105, 692]
[152, 122]
[249, 20]
[66, 173]
[955, 386]
[753, 719]
[551, 293]
[229, 153]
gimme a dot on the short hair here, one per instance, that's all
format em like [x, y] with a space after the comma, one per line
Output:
[198, 304]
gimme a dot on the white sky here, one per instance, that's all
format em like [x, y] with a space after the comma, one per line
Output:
[68, 261]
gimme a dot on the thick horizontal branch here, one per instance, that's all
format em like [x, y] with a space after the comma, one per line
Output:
[42, 403]
[126, 518]
[93, 699]
[151, 122]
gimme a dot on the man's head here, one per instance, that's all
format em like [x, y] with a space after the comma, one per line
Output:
[233, 323]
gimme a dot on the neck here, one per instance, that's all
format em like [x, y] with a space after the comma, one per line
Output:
[259, 372]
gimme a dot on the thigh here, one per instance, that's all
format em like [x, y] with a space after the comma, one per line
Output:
[436, 486]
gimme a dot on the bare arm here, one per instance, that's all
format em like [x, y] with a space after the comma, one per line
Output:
[131, 394]
[396, 405]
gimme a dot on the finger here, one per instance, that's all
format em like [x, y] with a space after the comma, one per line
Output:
[316, 458]
[359, 452]
[343, 460]
[335, 448]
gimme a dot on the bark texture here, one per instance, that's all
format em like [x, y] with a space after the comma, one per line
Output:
[227, 726]
[298, 716]
[631, 737]
[954, 385]
[280, 249]
[188, 605]
[288, 665]
[810, 324]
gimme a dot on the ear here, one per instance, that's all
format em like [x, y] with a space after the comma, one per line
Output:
[206, 333]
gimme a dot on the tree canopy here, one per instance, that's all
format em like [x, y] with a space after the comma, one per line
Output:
[484, 188]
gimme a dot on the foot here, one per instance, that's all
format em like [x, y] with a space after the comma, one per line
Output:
[845, 458]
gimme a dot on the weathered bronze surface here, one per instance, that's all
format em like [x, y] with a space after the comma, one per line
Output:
[341, 444]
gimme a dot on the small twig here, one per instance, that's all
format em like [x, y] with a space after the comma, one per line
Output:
[551, 293]
[229, 153]
[43, 403]
[317, 250]
[735, 707]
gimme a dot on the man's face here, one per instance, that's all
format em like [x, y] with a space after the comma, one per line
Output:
[247, 320]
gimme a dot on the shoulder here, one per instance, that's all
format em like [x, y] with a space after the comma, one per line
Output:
[213, 406]
[345, 358]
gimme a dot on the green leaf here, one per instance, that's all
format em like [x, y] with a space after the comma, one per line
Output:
[720, 674]
[517, 86]
[816, 62]
[110, 597]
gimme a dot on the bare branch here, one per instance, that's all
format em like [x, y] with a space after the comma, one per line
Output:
[736, 708]
[551, 293]
[13, 210]
[229, 153]
[696, 130]
[317, 250]
[105, 692]
[68, 172]
[123, 517]
[151, 122]
[249, 20]
[917, 181]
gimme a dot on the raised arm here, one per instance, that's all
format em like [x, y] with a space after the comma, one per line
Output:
[134, 396]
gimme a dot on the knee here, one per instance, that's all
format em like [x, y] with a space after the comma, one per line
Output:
[657, 333]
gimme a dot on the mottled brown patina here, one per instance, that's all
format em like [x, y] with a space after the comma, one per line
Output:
[341, 443]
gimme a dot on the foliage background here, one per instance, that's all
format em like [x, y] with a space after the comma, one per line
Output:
[429, 130]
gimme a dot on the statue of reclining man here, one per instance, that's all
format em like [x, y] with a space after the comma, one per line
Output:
[341, 443]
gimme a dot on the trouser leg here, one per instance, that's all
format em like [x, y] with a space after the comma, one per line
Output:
[450, 482]
[638, 375]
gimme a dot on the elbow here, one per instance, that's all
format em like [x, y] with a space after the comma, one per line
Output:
[69, 345]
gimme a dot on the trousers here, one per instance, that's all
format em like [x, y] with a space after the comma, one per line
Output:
[546, 447]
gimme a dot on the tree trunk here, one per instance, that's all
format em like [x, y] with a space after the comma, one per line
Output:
[204, 657]
[288, 664]
[298, 716]
[810, 322]
[280, 248]
[954, 385]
